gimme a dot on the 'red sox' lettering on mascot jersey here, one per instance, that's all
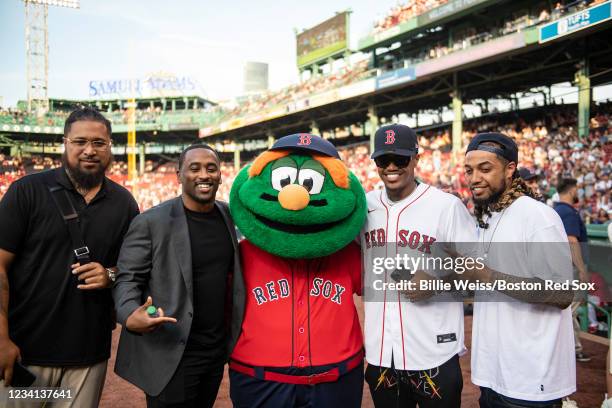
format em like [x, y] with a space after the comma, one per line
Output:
[300, 209]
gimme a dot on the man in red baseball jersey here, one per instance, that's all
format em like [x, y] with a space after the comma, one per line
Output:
[301, 344]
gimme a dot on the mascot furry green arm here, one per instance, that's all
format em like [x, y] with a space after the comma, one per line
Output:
[300, 209]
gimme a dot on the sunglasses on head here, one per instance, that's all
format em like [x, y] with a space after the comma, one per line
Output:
[386, 160]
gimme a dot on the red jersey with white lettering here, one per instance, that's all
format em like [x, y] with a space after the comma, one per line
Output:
[299, 312]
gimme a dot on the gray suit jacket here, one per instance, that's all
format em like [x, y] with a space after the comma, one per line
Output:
[155, 260]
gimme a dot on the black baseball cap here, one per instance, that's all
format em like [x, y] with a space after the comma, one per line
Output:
[508, 150]
[527, 174]
[306, 142]
[395, 139]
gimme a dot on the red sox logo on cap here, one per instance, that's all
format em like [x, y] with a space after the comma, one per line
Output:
[390, 136]
[305, 139]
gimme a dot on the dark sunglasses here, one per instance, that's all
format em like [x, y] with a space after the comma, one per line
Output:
[386, 160]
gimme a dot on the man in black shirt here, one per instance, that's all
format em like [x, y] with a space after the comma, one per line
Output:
[181, 257]
[56, 309]
[212, 257]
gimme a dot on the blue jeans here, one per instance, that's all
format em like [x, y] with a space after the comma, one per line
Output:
[492, 399]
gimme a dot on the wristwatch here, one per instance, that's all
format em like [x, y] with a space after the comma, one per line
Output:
[112, 275]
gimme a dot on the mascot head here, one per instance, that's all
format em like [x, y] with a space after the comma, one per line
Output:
[298, 199]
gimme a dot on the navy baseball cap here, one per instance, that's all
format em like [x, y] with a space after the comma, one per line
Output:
[508, 149]
[306, 142]
[395, 139]
[527, 174]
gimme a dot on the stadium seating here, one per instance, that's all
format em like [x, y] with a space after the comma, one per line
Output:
[405, 11]
[549, 145]
[412, 8]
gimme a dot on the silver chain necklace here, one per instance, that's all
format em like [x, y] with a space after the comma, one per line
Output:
[493, 234]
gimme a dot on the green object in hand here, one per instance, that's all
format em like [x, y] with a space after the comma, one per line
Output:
[152, 311]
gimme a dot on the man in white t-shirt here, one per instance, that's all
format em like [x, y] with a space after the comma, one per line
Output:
[412, 348]
[522, 341]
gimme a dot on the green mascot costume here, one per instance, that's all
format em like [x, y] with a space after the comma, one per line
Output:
[300, 209]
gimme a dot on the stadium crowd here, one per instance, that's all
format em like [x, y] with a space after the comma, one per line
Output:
[405, 11]
[549, 146]
[296, 96]
[159, 182]
[471, 36]
[412, 8]
[11, 116]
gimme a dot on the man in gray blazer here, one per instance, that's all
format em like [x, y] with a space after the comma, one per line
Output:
[179, 292]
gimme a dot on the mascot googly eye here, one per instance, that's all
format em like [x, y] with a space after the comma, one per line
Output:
[298, 200]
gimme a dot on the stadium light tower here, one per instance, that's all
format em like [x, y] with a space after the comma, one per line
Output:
[37, 50]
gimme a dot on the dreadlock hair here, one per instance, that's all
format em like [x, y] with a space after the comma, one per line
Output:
[517, 189]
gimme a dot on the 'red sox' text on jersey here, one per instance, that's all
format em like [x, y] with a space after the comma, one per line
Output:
[315, 295]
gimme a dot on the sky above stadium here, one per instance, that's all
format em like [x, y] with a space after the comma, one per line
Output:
[205, 40]
[208, 41]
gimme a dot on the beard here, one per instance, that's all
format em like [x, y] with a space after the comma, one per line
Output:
[492, 199]
[85, 180]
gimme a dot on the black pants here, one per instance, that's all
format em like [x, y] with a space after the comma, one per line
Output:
[194, 384]
[492, 399]
[439, 387]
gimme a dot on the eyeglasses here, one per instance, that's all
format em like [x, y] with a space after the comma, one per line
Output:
[386, 160]
[98, 145]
